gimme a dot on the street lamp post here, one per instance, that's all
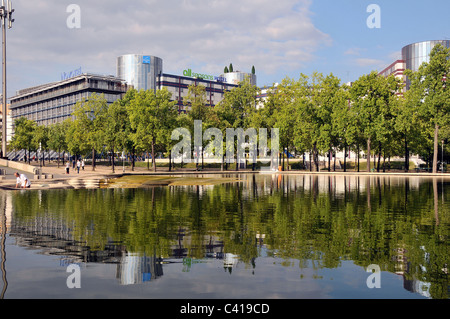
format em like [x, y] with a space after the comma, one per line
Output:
[442, 156]
[6, 17]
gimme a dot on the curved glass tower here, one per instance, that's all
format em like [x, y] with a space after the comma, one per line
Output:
[416, 53]
[139, 71]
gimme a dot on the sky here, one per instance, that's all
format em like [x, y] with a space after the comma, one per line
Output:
[282, 38]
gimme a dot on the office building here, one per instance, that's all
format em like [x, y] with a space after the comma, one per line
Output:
[413, 55]
[178, 86]
[146, 72]
[397, 69]
[54, 102]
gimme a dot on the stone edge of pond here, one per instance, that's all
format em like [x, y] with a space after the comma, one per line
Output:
[71, 182]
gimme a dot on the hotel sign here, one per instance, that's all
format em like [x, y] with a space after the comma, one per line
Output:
[146, 59]
[189, 73]
[71, 74]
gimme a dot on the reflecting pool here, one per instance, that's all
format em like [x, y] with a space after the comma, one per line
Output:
[249, 236]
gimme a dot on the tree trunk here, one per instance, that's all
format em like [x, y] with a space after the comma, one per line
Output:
[406, 155]
[329, 160]
[334, 160]
[345, 158]
[112, 159]
[368, 154]
[93, 159]
[435, 152]
[358, 157]
[379, 157]
[59, 152]
[287, 157]
[310, 161]
[170, 160]
[316, 157]
[133, 150]
[153, 155]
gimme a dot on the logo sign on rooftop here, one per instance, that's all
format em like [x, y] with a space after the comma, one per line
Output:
[208, 77]
[71, 74]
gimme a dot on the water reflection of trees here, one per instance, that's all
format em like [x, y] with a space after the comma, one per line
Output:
[401, 224]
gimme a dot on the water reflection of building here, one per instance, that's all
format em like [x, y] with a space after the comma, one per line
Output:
[322, 183]
[137, 268]
[402, 268]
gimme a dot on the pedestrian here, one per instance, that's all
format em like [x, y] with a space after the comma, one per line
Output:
[73, 163]
[22, 180]
[78, 166]
[67, 167]
[82, 164]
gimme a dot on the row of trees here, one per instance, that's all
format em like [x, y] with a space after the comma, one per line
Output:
[315, 114]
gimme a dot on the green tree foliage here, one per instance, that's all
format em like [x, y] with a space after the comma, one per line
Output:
[57, 137]
[23, 138]
[148, 112]
[88, 126]
[372, 96]
[41, 140]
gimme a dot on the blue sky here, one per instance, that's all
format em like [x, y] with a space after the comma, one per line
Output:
[280, 38]
[357, 49]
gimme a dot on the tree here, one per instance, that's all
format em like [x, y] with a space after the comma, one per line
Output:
[148, 112]
[230, 68]
[225, 70]
[432, 95]
[88, 126]
[40, 139]
[199, 110]
[57, 137]
[24, 135]
[372, 96]
[117, 123]
[253, 70]
[238, 106]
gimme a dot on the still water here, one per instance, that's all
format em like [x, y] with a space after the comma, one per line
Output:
[261, 236]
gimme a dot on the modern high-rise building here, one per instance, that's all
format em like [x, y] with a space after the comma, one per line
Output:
[146, 72]
[237, 76]
[413, 55]
[140, 71]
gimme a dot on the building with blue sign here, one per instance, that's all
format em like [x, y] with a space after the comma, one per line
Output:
[146, 72]
[139, 71]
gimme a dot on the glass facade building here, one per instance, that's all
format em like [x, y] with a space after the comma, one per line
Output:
[139, 71]
[416, 53]
[237, 77]
[54, 102]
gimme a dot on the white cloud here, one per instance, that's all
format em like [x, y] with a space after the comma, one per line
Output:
[205, 34]
[367, 62]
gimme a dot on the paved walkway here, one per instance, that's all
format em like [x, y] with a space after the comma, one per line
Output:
[60, 179]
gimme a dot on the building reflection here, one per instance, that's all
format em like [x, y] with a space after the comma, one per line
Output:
[54, 236]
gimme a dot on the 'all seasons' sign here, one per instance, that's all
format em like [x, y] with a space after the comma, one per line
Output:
[189, 73]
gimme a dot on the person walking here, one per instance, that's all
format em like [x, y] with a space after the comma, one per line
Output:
[78, 166]
[67, 167]
[82, 164]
